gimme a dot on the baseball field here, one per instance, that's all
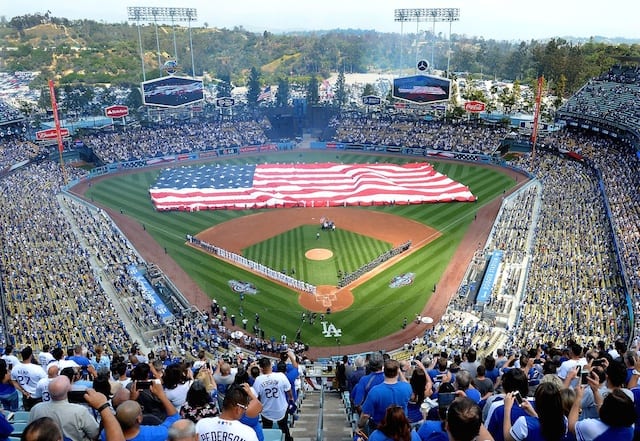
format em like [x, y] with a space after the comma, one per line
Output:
[370, 309]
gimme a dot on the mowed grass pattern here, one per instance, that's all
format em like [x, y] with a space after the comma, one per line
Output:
[377, 310]
[286, 251]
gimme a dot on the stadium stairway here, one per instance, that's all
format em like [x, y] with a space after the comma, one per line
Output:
[336, 425]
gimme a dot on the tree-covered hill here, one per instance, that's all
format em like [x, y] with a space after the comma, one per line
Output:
[86, 51]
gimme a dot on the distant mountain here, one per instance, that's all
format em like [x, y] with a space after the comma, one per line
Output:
[604, 40]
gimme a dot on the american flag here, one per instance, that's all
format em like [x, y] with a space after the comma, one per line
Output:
[302, 185]
[265, 94]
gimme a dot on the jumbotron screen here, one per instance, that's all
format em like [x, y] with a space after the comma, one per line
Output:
[422, 89]
[172, 91]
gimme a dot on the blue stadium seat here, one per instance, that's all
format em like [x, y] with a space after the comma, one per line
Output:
[20, 416]
[273, 435]
[18, 428]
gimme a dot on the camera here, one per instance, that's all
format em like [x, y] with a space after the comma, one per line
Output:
[413, 363]
[439, 377]
[446, 398]
[143, 384]
[518, 397]
[76, 396]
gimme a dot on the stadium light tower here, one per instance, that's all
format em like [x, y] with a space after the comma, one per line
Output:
[427, 15]
[158, 14]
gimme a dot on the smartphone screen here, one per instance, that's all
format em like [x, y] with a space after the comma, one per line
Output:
[518, 398]
[446, 398]
[584, 376]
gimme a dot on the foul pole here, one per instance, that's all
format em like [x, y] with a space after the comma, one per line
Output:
[56, 120]
[536, 118]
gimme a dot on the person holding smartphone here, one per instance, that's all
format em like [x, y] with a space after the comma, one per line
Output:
[546, 421]
[513, 380]
[74, 419]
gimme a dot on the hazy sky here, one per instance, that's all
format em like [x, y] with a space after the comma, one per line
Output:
[499, 19]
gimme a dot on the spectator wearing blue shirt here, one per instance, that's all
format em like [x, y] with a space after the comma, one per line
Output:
[512, 380]
[129, 415]
[85, 364]
[463, 383]
[394, 390]
[6, 429]
[544, 423]
[361, 390]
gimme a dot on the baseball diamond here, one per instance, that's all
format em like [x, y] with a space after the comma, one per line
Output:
[446, 229]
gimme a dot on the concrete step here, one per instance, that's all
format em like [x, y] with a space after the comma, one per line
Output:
[336, 426]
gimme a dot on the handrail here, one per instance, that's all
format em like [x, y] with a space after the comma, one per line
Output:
[320, 428]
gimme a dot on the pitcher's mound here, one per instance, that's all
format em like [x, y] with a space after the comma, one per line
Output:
[327, 298]
[318, 254]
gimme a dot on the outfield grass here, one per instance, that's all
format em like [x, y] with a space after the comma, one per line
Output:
[377, 310]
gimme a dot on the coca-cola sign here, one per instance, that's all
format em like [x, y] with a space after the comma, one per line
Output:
[474, 106]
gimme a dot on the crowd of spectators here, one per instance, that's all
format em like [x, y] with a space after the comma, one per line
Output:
[148, 142]
[51, 294]
[557, 229]
[558, 265]
[8, 113]
[436, 135]
[146, 396]
[538, 392]
[73, 283]
[559, 276]
[609, 99]
[14, 150]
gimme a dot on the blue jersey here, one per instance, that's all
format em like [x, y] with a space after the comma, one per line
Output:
[496, 419]
[593, 429]
[528, 428]
[376, 435]
[363, 387]
[384, 395]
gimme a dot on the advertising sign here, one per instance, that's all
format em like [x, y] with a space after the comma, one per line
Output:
[116, 111]
[371, 100]
[50, 134]
[474, 106]
[225, 102]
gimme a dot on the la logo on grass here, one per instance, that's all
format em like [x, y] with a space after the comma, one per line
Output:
[330, 330]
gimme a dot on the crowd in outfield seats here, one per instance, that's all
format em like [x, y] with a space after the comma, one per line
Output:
[463, 137]
[8, 113]
[138, 143]
[14, 151]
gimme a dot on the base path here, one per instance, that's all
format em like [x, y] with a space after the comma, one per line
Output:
[237, 234]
